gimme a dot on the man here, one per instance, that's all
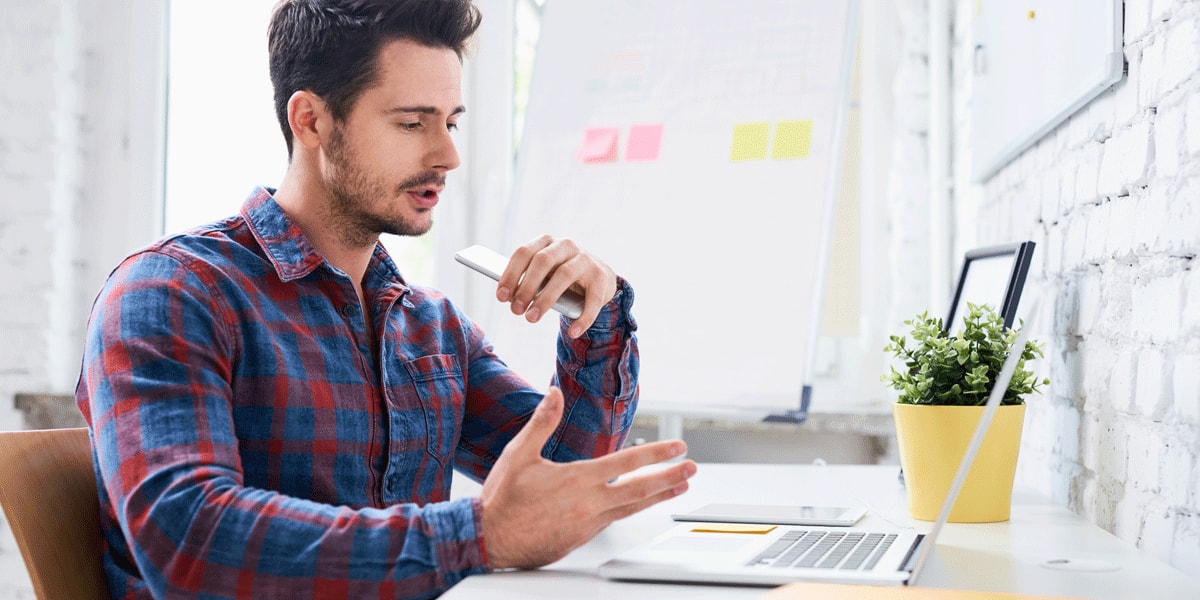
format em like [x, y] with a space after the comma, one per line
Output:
[276, 413]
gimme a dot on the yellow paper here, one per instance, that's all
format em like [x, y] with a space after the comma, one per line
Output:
[792, 139]
[750, 141]
[733, 528]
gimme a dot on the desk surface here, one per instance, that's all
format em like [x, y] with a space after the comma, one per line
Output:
[999, 557]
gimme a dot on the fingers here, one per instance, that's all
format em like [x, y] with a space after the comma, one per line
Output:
[621, 512]
[593, 301]
[625, 460]
[514, 274]
[546, 266]
[634, 494]
[532, 437]
[584, 275]
[533, 511]
[644, 485]
[642, 503]
[540, 271]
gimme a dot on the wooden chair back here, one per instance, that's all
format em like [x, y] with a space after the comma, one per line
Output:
[48, 491]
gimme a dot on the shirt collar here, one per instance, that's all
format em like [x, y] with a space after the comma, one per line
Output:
[292, 255]
[289, 250]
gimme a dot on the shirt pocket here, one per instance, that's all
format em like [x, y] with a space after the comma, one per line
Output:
[439, 384]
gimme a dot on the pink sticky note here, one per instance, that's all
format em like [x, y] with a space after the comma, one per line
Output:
[644, 142]
[599, 144]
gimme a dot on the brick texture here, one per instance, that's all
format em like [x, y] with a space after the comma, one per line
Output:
[78, 104]
[39, 171]
[1112, 198]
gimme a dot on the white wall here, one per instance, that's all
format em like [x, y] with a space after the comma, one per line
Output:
[908, 184]
[80, 174]
[1112, 199]
[41, 149]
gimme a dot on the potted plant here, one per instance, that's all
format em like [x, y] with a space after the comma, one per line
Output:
[943, 388]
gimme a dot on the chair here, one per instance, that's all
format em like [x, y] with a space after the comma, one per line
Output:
[48, 492]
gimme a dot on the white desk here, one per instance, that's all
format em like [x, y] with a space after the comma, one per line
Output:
[1000, 557]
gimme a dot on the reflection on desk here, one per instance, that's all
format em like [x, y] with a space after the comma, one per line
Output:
[829, 591]
[1022, 555]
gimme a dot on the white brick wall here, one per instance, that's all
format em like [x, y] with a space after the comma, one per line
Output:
[79, 144]
[1112, 198]
[35, 154]
[40, 148]
[908, 197]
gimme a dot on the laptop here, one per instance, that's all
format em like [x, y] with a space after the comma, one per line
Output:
[790, 553]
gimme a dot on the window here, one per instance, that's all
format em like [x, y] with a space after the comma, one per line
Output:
[526, 27]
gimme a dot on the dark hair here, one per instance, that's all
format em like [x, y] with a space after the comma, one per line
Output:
[331, 47]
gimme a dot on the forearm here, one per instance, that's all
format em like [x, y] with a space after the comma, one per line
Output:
[203, 533]
[598, 373]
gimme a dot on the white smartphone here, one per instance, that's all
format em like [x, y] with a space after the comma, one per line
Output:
[790, 514]
[492, 263]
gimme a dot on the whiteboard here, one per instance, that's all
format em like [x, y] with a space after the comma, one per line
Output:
[690, 144]
[1036, 62]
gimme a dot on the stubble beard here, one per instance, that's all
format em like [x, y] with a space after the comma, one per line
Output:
[353, 193]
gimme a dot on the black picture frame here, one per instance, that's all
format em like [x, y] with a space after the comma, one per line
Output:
[1021, 254]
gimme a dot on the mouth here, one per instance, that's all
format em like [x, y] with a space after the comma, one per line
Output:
[426, 197]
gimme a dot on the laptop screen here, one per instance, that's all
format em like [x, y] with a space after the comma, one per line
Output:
[994, 276]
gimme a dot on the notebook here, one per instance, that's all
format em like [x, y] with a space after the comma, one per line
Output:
[696, 553]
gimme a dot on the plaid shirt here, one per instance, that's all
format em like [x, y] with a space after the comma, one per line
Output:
[249, 443]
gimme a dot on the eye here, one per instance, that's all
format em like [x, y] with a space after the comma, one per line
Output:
[452, 126]
[409, 126]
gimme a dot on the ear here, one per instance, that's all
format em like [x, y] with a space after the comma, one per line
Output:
[308, 116]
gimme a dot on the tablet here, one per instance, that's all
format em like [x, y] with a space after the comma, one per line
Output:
[787, 514]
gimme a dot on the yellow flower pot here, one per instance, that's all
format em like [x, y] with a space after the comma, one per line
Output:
[933, 440]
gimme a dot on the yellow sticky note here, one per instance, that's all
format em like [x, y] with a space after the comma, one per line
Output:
[793, 139]
[750, 141]
[733, 528]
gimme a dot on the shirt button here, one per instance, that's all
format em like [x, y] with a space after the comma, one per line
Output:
[350, 310]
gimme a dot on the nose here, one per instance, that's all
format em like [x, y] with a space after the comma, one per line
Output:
[444, 154]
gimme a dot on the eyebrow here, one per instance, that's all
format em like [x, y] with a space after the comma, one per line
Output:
[425, 110]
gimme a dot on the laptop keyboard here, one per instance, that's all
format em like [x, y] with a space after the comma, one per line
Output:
[802, 548]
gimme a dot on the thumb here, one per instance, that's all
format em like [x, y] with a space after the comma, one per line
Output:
[542, 424]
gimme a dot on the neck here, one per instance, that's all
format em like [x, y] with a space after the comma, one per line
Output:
[306, 201]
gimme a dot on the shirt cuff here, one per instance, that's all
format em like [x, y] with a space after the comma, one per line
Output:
[458, 536]
[477, 516]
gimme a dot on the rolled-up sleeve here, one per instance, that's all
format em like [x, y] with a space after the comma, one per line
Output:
[597, 373]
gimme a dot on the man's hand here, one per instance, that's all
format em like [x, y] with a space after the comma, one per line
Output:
[552, 266]
[535, 511]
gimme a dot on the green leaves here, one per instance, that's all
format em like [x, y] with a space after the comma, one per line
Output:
[960, 370]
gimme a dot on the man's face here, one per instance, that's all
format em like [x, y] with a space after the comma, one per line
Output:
[386, 164]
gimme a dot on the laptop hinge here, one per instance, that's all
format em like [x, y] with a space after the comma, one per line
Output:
[913, 552]
[794, 416]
